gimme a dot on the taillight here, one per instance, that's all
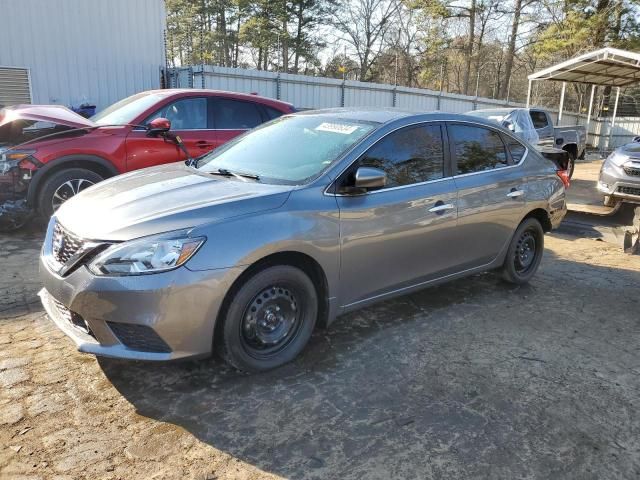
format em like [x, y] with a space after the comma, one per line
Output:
[564, 176]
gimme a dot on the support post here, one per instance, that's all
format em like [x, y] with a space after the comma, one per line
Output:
[564, 87]
[278, 86]
[593, 89]
[529, 94]
[613, 119]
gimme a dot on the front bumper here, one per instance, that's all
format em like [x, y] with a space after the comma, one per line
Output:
[14, 210]
[615, 182]
[162, 316]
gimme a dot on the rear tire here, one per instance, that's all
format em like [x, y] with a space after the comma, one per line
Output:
[269, 320]
[525, 252]
[571, 166]
[63, 185]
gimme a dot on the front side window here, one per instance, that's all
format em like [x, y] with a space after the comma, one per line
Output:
[410, 155]
[184, 114]
[539, 119]
[229, 114]
[288, 150]
[477, 149]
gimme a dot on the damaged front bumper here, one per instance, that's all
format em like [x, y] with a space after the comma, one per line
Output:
[15, 210]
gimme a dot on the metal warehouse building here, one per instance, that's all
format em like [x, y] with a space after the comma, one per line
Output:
[71, 52]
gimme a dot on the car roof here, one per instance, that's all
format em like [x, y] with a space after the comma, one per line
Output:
[221, 93]
[389, 115]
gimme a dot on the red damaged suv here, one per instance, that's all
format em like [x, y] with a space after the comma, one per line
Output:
[49, 153]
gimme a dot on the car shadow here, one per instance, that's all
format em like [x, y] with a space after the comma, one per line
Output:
[455, 381]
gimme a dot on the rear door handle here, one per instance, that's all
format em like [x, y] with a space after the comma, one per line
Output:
[204, 144]
[441, 207]
[514, 193]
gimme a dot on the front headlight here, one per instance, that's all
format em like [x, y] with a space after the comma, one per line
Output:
[617, 158]
[15, 158]
[158, 253]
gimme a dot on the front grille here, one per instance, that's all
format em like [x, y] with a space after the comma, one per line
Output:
[629, 190]
[73, 318]
[139, 337]
[631, 171]
[65, 244]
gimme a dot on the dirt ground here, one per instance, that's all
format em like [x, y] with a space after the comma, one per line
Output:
[475, 379]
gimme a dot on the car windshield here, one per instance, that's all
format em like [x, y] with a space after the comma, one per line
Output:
[126, 110]
[289, 150]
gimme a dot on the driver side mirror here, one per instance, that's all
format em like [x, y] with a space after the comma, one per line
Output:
[158, 126]
[368, 178]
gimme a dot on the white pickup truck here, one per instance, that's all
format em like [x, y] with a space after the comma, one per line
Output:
[536, 126]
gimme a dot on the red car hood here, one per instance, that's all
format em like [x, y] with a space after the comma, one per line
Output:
[44, 113]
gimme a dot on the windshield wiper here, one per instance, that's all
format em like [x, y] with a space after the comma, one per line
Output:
[239, 175]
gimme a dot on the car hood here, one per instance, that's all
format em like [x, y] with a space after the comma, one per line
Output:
[44, 113]
[631, 149]
[161, 199]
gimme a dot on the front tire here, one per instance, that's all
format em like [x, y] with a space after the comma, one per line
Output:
[525, 252]
[63, 185]
[610, 201]
[269, 319]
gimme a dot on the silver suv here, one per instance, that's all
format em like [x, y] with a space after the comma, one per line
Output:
[290, 225]
[620, 175]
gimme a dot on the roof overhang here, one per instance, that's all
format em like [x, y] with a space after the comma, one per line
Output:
[607, 67]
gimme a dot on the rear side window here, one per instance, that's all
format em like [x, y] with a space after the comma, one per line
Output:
[539, 119]
[409, 155]
[516, 149]
[229, 114]
[477, 149]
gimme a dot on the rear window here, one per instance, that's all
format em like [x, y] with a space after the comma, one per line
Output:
[539, 119]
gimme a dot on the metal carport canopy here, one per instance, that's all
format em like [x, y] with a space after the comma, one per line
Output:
[609, 67]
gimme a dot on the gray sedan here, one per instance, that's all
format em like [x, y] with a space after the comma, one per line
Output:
[284, 228]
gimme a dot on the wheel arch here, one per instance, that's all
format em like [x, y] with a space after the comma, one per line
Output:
[96, 164]
[542, 216]
[571, 148]
[300, 260]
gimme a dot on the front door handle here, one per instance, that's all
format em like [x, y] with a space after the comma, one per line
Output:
[515, 193]
[440, 207]
[204, 144]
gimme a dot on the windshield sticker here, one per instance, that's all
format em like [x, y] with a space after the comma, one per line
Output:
[337, 128]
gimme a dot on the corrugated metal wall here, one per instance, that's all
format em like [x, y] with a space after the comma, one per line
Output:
[317, 92]
[96, 51]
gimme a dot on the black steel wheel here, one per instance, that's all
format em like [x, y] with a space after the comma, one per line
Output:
[525, 252]
[269, 319]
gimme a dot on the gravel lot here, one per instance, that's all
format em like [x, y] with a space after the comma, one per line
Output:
[475, 379]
